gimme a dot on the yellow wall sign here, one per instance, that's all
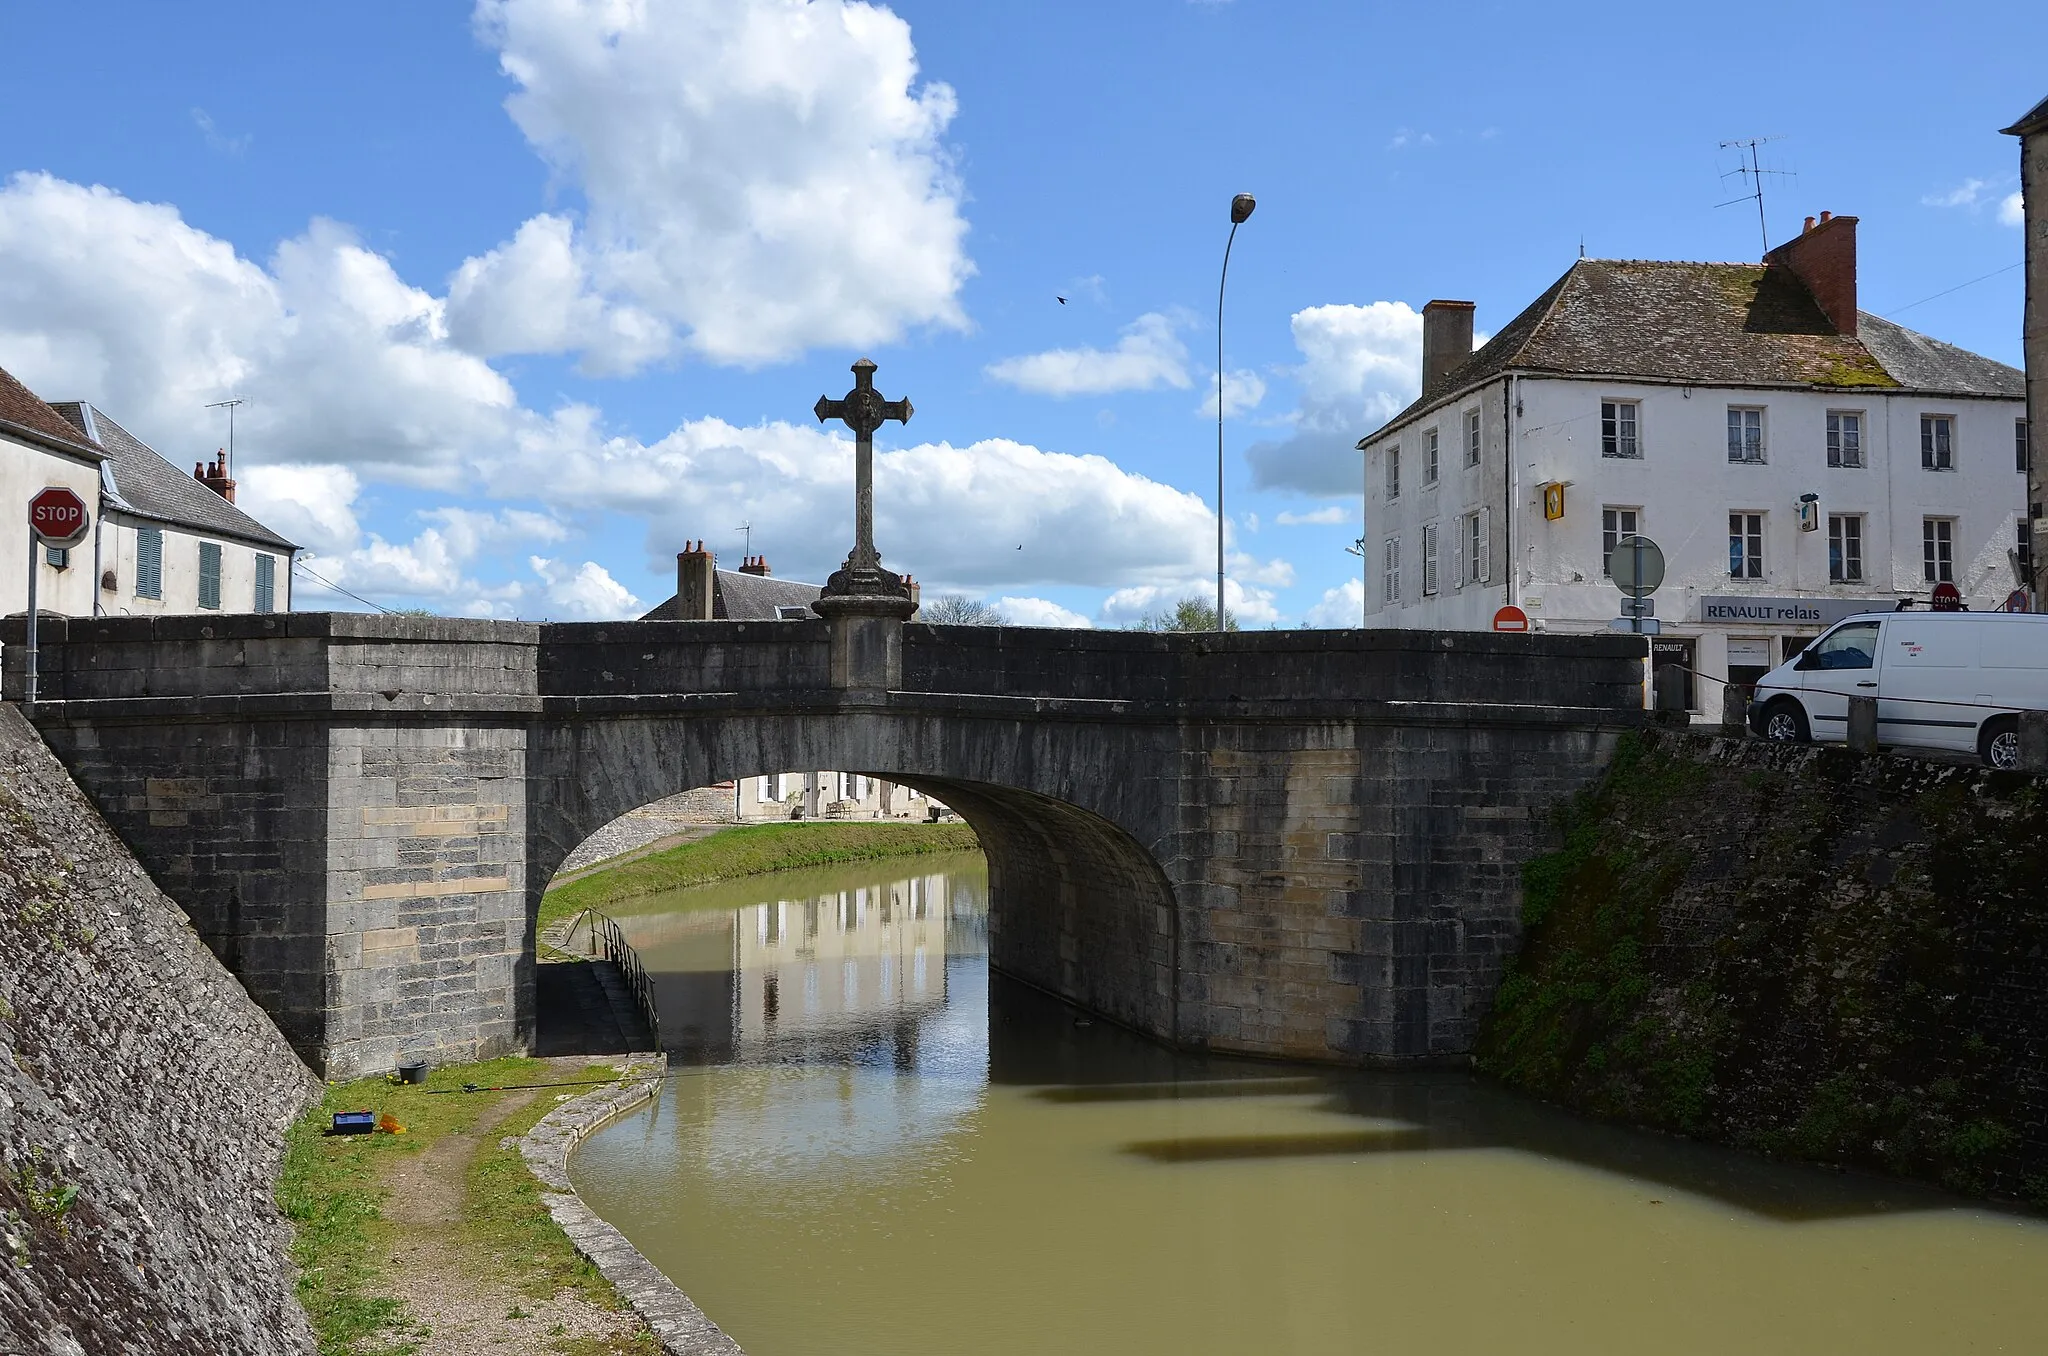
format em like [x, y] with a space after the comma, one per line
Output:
[1553, 501]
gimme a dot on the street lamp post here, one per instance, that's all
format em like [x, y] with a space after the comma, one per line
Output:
[1240, 208]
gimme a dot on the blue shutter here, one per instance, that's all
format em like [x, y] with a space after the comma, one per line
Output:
[266, 583]
[149, 562]
[209, 574]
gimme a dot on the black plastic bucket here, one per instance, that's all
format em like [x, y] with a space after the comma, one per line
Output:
[415, 1072]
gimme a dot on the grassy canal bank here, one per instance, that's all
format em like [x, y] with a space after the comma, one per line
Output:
[751, 850]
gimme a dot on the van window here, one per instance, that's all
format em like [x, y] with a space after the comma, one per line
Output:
[1845, 647]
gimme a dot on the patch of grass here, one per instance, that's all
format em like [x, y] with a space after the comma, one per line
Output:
[752, 850]
[330, 1188]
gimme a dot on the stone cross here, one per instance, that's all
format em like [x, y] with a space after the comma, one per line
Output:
[863, 410]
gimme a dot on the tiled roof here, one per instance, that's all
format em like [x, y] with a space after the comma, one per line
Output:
[1714, 325]
[747, 597]
[20, 406]
[152, 487]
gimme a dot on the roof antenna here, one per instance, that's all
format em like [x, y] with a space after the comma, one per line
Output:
[1752, 174]
[227, 471]
[1582, 244]
[747, 548]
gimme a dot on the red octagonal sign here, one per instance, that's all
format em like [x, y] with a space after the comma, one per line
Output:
[58, 518]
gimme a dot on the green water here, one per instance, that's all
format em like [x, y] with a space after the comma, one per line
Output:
[880, 1149]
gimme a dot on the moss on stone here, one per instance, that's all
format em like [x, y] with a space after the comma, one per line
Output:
[1800, 952]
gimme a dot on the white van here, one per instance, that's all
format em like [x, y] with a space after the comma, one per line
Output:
[1943, 680]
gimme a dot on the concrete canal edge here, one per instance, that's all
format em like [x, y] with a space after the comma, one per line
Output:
[678, 1324]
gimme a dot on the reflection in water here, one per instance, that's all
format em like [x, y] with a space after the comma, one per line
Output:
[880, 1150]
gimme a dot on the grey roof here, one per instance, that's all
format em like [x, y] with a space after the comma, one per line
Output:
[747, 597]
[151, 487]
[1712, 325]
[2034, 121]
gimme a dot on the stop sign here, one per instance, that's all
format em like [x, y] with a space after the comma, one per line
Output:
[58, 518]
[1945, 598]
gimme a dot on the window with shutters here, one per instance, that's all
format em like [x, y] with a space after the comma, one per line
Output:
[2022, 451]
[1845, 438]
[1937, 442]
[209, 574]
[1845, 549]
[2024, 536]
[1432, 457]
[1478, 548]
[1471, 437]
[1615, 523]
[1390, 572]
[266, 583]
[1429, 559]
[59, 558]
[1394, 471]
[149, 562]
[1938, 550]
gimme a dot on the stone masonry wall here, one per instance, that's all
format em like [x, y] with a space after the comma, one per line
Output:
[1801, 951]
[143, 1103]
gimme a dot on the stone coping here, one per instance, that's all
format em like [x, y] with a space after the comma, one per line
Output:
[678, 1324]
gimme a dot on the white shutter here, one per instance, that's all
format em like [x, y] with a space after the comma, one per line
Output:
[1486, 546]
[1458, 535]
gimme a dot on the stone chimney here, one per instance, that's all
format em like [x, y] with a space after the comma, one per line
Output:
[214, 476]
[754, 565]
[1446, 340]
[916, 592]
[696, 583]
[1823, 256]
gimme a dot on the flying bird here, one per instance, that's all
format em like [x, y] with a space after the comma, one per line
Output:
[1061, 300]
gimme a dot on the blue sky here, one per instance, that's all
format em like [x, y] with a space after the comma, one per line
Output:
[524, 295]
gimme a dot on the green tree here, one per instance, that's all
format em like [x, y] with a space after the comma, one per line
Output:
[957, 609]
[1189, 614]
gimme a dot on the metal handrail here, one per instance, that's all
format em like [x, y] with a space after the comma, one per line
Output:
[606, 933]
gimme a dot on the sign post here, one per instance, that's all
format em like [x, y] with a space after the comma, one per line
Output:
[1637, 569]
[56, 517]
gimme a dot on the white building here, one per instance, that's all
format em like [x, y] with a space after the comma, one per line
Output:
[163, 541]
[1796, 459]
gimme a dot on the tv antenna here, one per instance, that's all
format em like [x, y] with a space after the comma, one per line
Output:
[229, 406]
[1752, 174]
[747, 548]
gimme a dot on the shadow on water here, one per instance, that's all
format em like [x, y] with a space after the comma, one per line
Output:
[1039, 1042]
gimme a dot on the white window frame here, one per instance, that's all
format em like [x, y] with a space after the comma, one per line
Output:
[1937, 442]
[1747, 533]
[2022, 447]
[1432, 456]
[1845, 530]
[1612, 531]
[1741, 447]
[1938, 550]
[1429, 560]
[1479, 547]
[1393, 470]
[1845, 440]
[1623, 444]
[1390, 572]
[1474, 440]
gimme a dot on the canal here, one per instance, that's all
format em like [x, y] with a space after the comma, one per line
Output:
[878, 1147]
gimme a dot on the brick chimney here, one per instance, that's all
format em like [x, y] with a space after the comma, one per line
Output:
[214, 476]
[1823, 256]
[916, 592]
[754, 565]
[1446, 340]
[696, 583]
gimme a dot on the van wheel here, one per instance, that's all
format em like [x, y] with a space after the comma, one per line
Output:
[1785, 722]
[1999, 744]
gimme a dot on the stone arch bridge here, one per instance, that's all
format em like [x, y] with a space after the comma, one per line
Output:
[1302, 844]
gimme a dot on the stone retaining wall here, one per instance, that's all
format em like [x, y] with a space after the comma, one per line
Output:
[143, 1103]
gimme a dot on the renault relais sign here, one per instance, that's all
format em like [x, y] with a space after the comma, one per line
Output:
[1787, 611]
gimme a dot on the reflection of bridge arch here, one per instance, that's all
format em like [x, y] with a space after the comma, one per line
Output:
[1298, 844]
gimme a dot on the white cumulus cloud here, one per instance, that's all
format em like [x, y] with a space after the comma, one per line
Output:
[1360, 366]
[1343, 605]
[1039, 612]
[766, 176]
[1334, 513]
[1964, 194]
[1242, 391]
[1148, 356]
[585, 592]
[2012, 211]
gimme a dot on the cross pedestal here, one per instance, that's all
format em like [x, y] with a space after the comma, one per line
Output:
[866, 604]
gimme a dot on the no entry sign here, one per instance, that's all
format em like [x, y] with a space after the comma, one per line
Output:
[1511, 618]
[58, 517]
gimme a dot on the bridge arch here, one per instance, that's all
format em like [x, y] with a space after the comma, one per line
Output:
[1080, 901]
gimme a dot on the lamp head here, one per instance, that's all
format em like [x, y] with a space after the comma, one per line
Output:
[1241, 207]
